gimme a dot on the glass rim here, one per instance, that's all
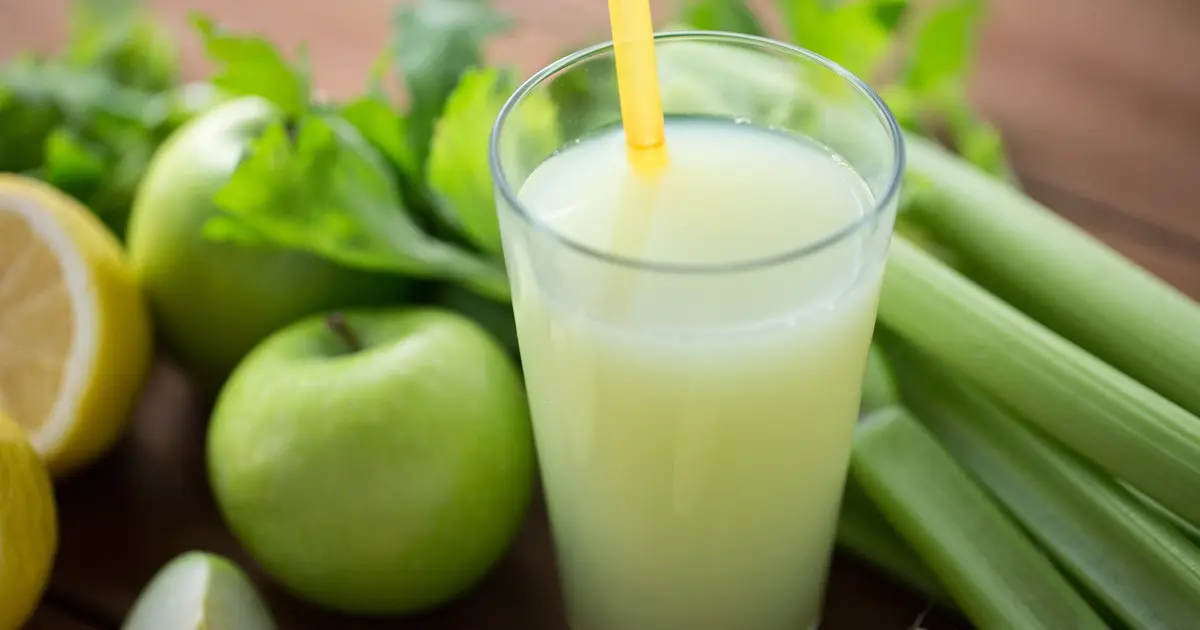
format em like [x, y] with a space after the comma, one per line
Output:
[881, 204]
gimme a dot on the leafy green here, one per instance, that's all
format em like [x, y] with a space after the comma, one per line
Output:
[459, 173]
[436, 41]
[338, 181]
[922, 75]
[852, 33]
[727, 15]
[88, 118]
[119, 39]
[934, 82]
[942, 49]
[319, 186]
[252, 66]
[385, 128]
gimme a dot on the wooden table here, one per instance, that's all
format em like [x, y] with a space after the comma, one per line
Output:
[1099, 101]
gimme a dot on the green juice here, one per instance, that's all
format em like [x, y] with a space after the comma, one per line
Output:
[694, 411]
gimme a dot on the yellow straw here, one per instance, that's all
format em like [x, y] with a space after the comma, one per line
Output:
[637, 83]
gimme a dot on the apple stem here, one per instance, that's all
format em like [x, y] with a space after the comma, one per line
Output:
[337, 323]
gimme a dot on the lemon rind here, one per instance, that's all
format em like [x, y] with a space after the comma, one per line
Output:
[57, 427]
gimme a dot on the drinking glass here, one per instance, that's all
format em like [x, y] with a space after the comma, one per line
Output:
[694, 435]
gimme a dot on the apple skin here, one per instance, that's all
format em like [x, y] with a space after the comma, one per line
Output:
[383, 481]
[214, 301]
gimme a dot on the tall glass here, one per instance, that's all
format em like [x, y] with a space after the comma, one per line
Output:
[694, 417]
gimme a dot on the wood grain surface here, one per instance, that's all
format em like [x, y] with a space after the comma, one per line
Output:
[1098, 99]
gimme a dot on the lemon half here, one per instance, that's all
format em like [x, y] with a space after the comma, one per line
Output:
[28, 527]
[75, 338]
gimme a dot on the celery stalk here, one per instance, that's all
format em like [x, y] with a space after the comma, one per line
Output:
[1142, 569]
[1187, 529]
[1059, 274]
[996, 575]
[864, 532]
[1107, 417]
[879, 386]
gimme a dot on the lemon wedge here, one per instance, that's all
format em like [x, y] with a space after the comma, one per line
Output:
[28, 526]
[75, 338]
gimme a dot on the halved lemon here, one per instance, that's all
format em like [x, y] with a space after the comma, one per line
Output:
[75, 337]
[28, 526]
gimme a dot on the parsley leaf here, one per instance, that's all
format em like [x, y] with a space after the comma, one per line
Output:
[251, 66]
[436, 42]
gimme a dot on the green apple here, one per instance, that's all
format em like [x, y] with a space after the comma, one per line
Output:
[378, 463]
[199, 591]
[214, 301]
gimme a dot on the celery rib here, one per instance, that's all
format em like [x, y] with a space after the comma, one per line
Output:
[1142, 569]
[879, 385]
[1107, 417]
[1059, 274]
[864, 532]
[992, 570]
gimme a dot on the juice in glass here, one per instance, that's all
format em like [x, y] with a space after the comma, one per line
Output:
[693, 346]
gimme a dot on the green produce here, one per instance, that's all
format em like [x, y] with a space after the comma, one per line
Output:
[213, 301]
[376, 463]
[1062, 424]
[199, 591]
[1138, 566]
[879, 388]
[862, 530]
[88, 118]
[1110, 419]
[865, 532]
[996, 575]
[348, 182]
[1056, 273]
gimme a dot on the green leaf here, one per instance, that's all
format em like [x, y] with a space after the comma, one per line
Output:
[944, 46]
[100, 165]
[88, 119]
[891, 13]
[72, 164]
[978, 141]
[459, 170]
[722, 15]
[857, 34]
[79, 95]
[318, 186]
[24, 127]
[436, 41]
[81, 131]
[385, 128]
[120, 39]
[252, 66]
